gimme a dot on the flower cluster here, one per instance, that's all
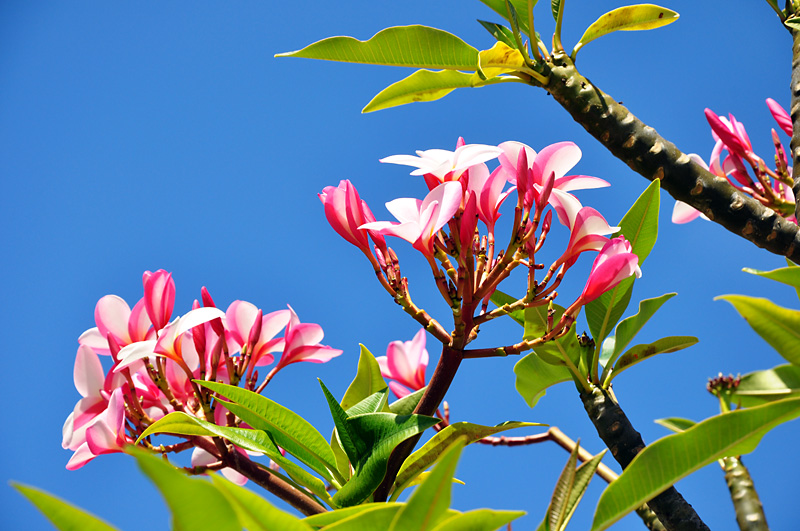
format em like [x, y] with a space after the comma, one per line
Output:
[155, 360]
[772, 187]
[453, 227]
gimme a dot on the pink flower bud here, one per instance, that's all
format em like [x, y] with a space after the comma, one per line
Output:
[159, 297]
[613, 264]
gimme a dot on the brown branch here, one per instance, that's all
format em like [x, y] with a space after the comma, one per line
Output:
[654, 157]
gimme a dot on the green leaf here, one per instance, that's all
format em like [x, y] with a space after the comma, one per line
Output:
[555, 8]
[553, 352]
[499, 32]
[255, 513]
[350, 442]
[407, 404]
[628, 18]
[432, 450]
[667, 460]
[641, 352]
[368, 380]
[520, 6]
[760, 387]
[640, 227]
[429, 502]
[556, 510]
[416, 46]
[478, 520]
[179, 423]
[792, 23]
[500, 299]
[583, 476]
[375, 516]
[426, 85]
[291, 431]
[195, 504]
[534, 376]
[499, 59]
[787, 275]
[372, 404]
[676, 424]
[331, 517]
[64, 516]
[778, 326]
[631, 326]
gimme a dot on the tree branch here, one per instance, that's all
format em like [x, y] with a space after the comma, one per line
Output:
[795, 114]
[654, 157]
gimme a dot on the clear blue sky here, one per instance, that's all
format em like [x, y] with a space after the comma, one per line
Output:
[165, 135]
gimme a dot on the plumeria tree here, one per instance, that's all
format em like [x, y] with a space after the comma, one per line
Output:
[154, 381]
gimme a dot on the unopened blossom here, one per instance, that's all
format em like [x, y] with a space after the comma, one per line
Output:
[731, 133]
[780, 115]
[614, 263]
[419, 221]
[159, 296]
[404, 364]
[346, 212]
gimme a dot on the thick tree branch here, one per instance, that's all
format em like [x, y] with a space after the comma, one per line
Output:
[654, 157]
[795, 114]
[624, 441]
[749, 512]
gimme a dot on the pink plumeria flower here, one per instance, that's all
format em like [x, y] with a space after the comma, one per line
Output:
[588, 228]
[731, 133]
[302, 344]
[90, 381]
[780, 115]
[159, 296]
[202, 458]
[105, 435]
[405, 363]
[114, 317]
[488, 190]
[419, 221]
[614, 263]
[346, 212]
[440, 165]
[558, 159]
[246, 325]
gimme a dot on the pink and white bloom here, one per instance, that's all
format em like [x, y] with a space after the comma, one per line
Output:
[731, 133]
[159, 296]
[114, 317]
[419, 221]
[440, 165]
[613, 264]
[105, 435]
[302, 343]
[780, 115]
[346, 212]
[588, 232]
[488, 190]
[405, 363]
[245, 325]
[90, 381]
[558, 159]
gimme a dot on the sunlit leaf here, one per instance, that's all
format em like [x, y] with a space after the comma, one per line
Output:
[254, 512]
[778, 326]
[534, 376]
[425, 456]
[520, 6]
[478, 520]
[628, 18]
[416, 46]
[793, 23]
[375, 516]
[760, 387]
[676, 424]
[429, 502]
[427, 85]
[407, 404]
[556, 7]
[558, 502]
[499, 59]
[667, 460]
[501, 299]
[640, 227]
[368, 380]
[499, 32]
[556, 351]
[640, 353]
[64, 516]
[290, 431]
[331, 517]
[787, 275]
[195, 504]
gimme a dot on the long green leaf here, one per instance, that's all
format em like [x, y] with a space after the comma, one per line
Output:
[64, 516]
[534, 376]
[667, 460]
[331, 517]
[416, 46]
[291, 431]
[351, 444]
[778, 326]
[432, 450]
[178, 423]
[254, 512]
[676, 424]
[557, 509]
[760, 387]
[640, 353]
[520, 6]
[368, 380]
[377, 516]
[429, 502]
[407, 404]
[640, 227]
[631, 326]
[583, 476]
[628, 18]
[786, 275]
[499, 32]
[478, 520]
[195, 504]
[427, 85]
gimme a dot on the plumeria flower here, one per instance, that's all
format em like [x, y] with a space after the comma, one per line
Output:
[558, 159]
[346, 212]
[488, 190]
[731, 133]
[114, 317]
[405, 363]
[419, 221]
[302, 343]
[90, 381]
[440, 165]
[614, 263]
[246, 326]
[202, 458]
[105, 435]
[159, 296]
[780, 115]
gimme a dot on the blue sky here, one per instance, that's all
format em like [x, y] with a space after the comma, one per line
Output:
[166, 135]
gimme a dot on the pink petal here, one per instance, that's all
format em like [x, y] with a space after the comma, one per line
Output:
[159, 296]
[683, 213]
[88, 372]
[556, 158]
[111, 315]
[94, 340]
[580, 182]
[239, 319]
[780, 115]
[81, 456]
[138, 322]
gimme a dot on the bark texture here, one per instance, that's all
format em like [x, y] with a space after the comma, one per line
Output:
[749, 512]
